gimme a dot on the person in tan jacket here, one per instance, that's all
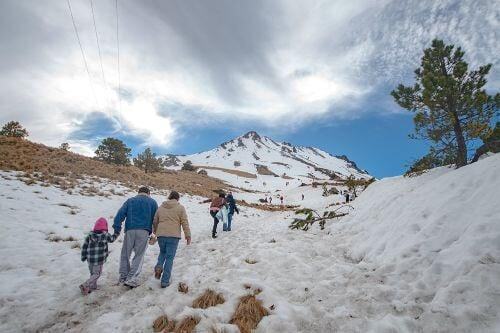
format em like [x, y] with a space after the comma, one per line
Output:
[167, 223]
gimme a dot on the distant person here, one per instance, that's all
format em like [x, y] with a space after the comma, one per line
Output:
[167, 223]
[281, 199]
[215, 206]
[347, 197]
[232, 208]
[95, 252]
[270, 200]
[138, 213]
[302, 196]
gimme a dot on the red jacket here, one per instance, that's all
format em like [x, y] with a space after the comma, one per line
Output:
[217, 204]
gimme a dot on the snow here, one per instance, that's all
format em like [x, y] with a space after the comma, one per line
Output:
[416, 255]
[437, 238]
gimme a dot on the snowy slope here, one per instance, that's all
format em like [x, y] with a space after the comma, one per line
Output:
[435, 243]
[416, 255]
[250, 151]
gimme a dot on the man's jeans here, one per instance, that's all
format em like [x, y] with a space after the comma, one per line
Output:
[168, 248]
[227, 227]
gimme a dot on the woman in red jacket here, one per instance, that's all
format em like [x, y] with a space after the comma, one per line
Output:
[215, 206]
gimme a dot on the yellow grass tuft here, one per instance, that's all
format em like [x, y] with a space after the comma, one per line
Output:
[163, 324]
[248, 314]
[187, 325]
[207, 299]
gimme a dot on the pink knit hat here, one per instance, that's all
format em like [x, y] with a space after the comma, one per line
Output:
[101, 224]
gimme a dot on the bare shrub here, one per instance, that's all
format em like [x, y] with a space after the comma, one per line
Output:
[248, 314]
[207, 299]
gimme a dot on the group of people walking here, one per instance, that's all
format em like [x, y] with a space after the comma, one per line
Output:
[146, 223]
[222, 208]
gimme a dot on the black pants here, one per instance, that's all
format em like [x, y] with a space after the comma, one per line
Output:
[216, 221]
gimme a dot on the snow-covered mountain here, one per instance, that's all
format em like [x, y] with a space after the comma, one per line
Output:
[262, 156]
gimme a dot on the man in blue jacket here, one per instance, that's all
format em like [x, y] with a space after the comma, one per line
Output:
[232, 208]
[138, 213]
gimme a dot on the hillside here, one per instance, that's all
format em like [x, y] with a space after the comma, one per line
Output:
[63, 168]
[432, 244]
[264, 160]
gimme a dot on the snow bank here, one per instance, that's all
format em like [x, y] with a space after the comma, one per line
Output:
[436, 239]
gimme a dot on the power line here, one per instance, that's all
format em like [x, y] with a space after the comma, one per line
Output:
[97, 39]
[83, 54]
[118, 48]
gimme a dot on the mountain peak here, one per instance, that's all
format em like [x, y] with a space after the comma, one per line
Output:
[252, 135]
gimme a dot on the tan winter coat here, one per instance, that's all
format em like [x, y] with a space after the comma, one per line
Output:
[169, 218]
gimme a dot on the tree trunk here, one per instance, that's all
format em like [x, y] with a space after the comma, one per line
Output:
[462, 148]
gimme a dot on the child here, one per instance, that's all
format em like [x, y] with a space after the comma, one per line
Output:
[95, 251]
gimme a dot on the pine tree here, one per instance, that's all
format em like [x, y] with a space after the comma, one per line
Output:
[14, 129]
[113, 151]
[148, 161]
[64, 146]
[188, 166]
[450, 105]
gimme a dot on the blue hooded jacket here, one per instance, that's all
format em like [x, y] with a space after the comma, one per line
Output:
[138, 211]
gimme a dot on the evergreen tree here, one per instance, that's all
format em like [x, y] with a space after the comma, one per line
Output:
[14, 129]
[188, 166]
[64, 146]
[113, 151]
[450, 105]
[148, 161]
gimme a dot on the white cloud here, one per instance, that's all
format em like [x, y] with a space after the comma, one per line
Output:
[241, 60]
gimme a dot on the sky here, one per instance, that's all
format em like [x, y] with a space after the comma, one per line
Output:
[190, 75]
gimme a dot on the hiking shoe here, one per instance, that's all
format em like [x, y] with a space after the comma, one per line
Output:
[158, 272]
[130, 284]
[84, 290]
[165, 285]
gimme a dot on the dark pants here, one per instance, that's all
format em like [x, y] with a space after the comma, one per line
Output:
[216, 221]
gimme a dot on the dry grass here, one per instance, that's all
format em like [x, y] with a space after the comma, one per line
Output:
[187, 325]
[248, 314]
[231, 171]
[264, 170]
[207, 299]
[51, 237]
[269, 207]
[63, 168]
[163, 324]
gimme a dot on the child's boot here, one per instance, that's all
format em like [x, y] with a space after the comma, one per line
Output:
[85, 290]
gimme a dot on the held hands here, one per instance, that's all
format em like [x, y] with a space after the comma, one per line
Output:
[188, 240]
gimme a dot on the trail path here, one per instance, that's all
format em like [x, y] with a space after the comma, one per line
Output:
[304, 276]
